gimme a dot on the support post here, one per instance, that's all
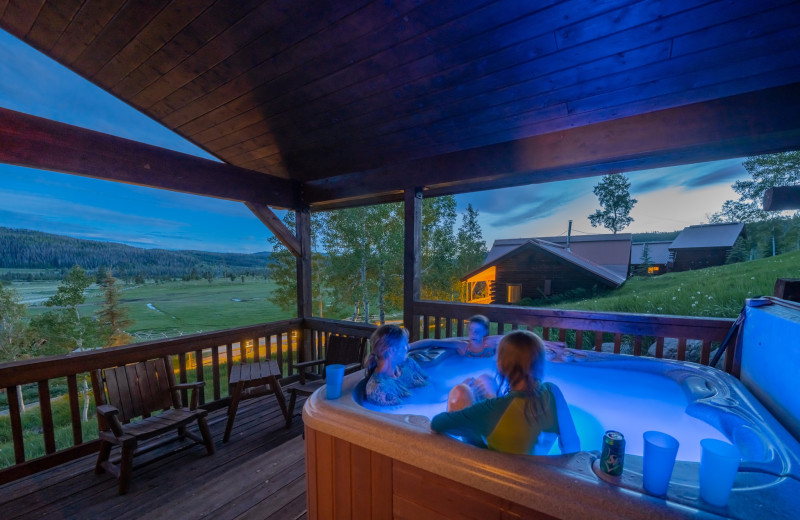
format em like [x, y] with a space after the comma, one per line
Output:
[303, 226]
[411, 259]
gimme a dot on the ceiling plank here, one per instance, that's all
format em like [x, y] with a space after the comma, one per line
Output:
[747, 124]
[35, 142]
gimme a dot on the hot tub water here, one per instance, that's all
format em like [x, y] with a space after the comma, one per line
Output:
[599, 398]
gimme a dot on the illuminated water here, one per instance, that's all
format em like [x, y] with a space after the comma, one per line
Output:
[600, 399]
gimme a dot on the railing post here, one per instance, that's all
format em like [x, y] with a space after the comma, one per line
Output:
[411, 259]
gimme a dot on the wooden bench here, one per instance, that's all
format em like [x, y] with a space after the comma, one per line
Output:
[138, 402]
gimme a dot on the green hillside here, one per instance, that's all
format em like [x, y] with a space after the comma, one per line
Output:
[33, 255]
[713, 292]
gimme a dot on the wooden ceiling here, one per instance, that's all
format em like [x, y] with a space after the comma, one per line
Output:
[347, 102]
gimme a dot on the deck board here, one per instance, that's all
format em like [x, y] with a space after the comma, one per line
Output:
[259, 473]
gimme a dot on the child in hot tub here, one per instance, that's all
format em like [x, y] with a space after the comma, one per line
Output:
[520, 420]
[389, 371]
[478, 343]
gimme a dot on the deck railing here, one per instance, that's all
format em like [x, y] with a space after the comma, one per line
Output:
[206, 357]
[585, 330]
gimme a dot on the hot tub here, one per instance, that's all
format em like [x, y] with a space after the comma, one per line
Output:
[387, 460]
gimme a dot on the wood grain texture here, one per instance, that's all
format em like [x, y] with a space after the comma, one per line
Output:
[361, 99]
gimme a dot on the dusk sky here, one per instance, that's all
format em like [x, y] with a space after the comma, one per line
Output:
[668, 198]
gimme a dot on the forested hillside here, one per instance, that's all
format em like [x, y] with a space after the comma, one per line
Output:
[25, 249]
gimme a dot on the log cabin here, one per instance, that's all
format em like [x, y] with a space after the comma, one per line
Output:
[703, 246]
[539, 268]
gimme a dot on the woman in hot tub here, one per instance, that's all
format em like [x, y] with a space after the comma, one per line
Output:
[390, 372]
[528, 414]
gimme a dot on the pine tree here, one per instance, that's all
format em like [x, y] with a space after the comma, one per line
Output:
[113, 316]
[738, 253]
[471, 246]
[646, 262]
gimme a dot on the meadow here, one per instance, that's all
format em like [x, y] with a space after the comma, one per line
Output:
[718, 292]
[168, 309]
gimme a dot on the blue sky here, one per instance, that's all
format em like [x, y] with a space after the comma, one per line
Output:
[669, 198]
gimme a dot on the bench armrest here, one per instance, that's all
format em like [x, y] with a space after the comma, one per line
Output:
[311, 363]
[193, 387]
[351, 367]
[109, 414]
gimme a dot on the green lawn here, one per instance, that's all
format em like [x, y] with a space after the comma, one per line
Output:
[713, 292]
[179, 307]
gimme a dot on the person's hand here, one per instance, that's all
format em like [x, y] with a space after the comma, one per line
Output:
[482, 387]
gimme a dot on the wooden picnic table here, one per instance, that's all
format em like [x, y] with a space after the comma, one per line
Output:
[250, 375]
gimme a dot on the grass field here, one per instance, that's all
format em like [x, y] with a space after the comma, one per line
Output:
[717, 292]
[176, 307]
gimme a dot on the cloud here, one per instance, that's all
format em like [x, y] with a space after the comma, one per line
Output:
[725, 174]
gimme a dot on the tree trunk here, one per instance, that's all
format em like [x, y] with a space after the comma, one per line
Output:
[20, 399]
[381, 306]
[85, 401]
[364, 295]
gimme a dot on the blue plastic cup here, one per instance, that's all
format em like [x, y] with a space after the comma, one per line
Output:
[660, 451]
[334, 375]
[719, 463]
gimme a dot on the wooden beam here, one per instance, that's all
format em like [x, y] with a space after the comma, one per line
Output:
[411, 259]
[35, 142]
[758, 122]
[278, 228]
[304, 296]
[781, 198]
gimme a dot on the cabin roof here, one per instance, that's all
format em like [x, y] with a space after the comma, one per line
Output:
[349, 103]
[708, 236]
[611, 251]
[606, 256]
[658, 251]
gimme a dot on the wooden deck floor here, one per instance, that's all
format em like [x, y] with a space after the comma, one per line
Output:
[258, 474]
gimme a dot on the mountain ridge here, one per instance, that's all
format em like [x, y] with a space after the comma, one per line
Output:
[29, 249]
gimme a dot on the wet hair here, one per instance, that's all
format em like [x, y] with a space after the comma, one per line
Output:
[385, 338]
[521, 358]
[480, 319]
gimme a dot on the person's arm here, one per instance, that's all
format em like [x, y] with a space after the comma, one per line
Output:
[478, 420]
[568, 439]
[451, 343]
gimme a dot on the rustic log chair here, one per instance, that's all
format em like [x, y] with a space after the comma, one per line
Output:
[341, 350]
[141, 390]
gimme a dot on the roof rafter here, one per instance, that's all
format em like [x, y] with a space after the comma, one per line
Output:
[754, 123]
[35, 142]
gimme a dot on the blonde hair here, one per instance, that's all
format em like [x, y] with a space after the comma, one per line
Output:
[521, 359]
[384, 339]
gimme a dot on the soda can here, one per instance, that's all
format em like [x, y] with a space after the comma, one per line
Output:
[613, 455]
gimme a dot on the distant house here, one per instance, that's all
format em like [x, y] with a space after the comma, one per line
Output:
[658, 253]
[540, 267]
[703, 246]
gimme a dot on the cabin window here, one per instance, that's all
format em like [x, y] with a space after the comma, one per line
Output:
[548, 287]
[653, 269]
[514, 293]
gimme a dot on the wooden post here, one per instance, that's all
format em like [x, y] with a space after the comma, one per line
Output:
[411, 259]
[788, 289]
[303, 226]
